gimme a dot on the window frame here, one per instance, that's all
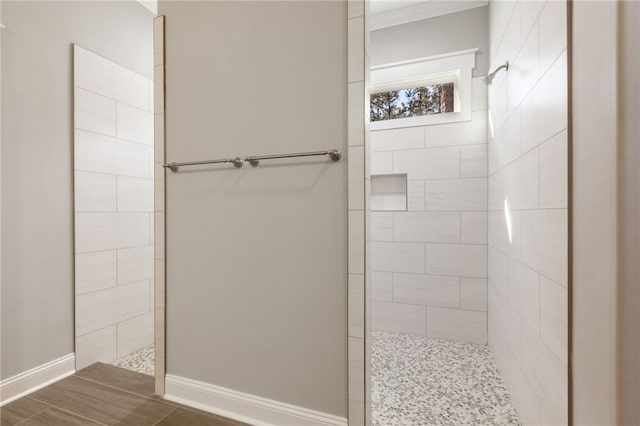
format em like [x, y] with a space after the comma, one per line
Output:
[456, 67]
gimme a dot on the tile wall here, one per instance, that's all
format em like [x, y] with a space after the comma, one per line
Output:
[357, 77]
[429, 263]
[113, 165]
[528, 234]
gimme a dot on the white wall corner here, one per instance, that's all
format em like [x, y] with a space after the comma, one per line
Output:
[244, 407]
[29, 381]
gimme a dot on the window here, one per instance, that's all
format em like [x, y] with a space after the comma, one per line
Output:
[421, 92]
[412, 102]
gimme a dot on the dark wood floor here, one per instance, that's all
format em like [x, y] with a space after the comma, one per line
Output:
[104, 395]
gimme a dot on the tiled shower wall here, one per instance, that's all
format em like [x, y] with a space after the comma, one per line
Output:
[113, 124]
[528, 237]
[429, 263]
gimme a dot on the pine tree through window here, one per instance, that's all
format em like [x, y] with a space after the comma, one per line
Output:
[412, 102]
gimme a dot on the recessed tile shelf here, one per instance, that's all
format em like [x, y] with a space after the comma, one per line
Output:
[389, 192]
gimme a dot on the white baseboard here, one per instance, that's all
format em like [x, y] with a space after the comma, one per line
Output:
[31, 380]
[244, 407]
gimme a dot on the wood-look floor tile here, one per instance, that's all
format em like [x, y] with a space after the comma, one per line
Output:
[19, 410]
[120, 378]
[102, 403]
[54, 417]
[182, 417]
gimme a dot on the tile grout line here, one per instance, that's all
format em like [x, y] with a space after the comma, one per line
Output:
[116, 387]
[33, 415]
[168, 414]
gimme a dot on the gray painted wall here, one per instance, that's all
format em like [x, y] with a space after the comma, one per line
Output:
[256, 258]
[37, 170]
[435, 36]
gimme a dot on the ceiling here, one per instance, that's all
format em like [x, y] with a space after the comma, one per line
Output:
[387, 13]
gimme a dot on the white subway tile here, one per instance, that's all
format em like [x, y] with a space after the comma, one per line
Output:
[398, 318]
[511, 329]
[135, 333]
[436, 227]
[135, 264]
[356, 177]
[95, 271]
[455, 324]
[498, 271]
[415, 195]
[529, 12]
[553, 32]
[382, 286]
[389, 202]
[510, 39]
[457, 259]
[94, 113]
[554, 167]
[523, 178]
[461, 133]
[135, 124]
[505, 232]
[103, 154]
[135, 194]
[523, 70]
[381, 163]
[546, 374]
[397, 139]
[473, 160]
[94, 192]
[500, 16]
[554, 327]
[479, 95]
[544, 243]
[105, 231]
[381, 226]
[505, 146]
[99, 75]
[473, 227]
[428, 290]
[456, 194]
[130, 300]
[94, 311]
[498, 186]
[432, 163]
[397, 257]
[473, 294]
[524, 293]
[524, 398]
[151, 96]
[544, 111]
[498, 107]
[99, 346]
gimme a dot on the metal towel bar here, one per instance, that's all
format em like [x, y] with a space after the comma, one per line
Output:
[237, 162]
[254, 160]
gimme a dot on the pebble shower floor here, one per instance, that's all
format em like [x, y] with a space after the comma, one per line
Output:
[418, 382]
[141, 361]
